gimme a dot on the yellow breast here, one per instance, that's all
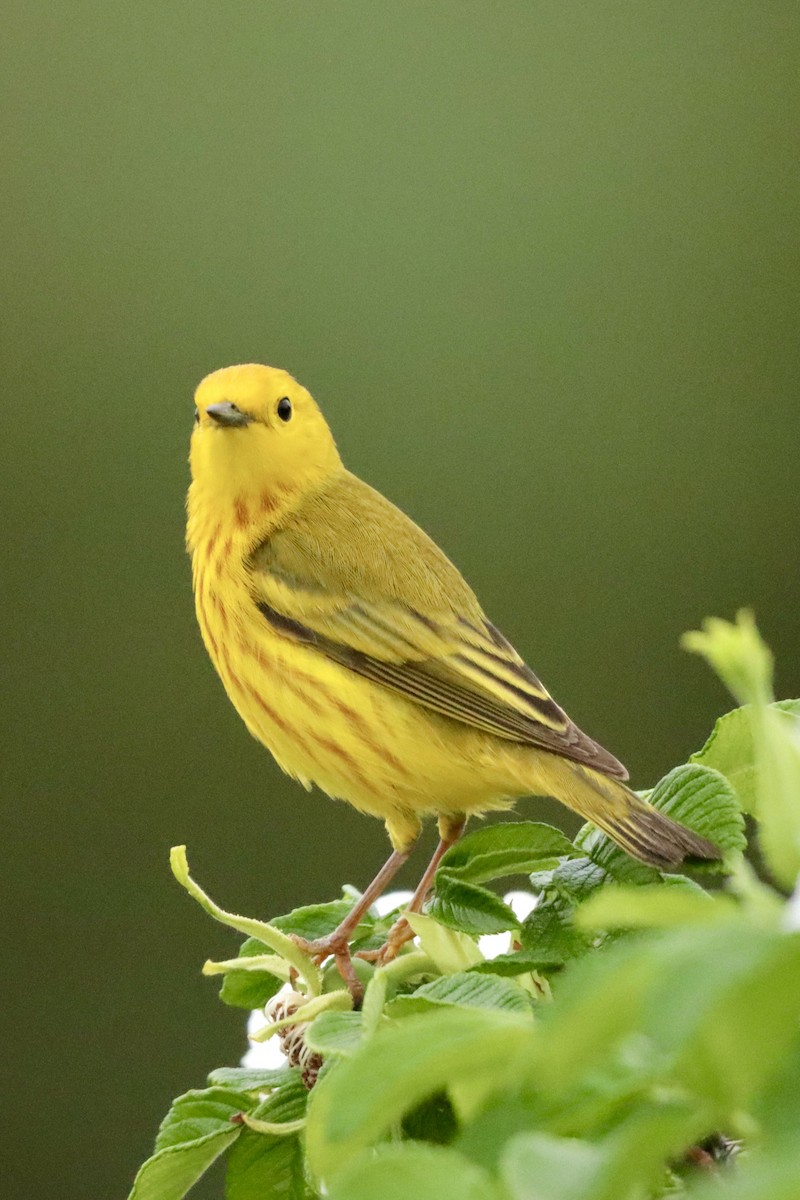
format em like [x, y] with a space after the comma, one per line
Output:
[322, 723]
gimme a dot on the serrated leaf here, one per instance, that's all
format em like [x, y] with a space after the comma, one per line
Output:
[199, 1112]
[313, 920]
[549, 936]
[612, 859]
[518, 962]
[286, 1104]
[266, 1164]
[405, 1062]
[730, 750]
[465, 989]
[541, 879]
[195, 1131]
[513, 848]
[702, 799]
[403, 1172]
[576, 879]
[469, 908]
[251, 1079]
[336, 1033]
[249, 989]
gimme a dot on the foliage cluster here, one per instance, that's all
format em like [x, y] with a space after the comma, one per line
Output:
[635, 1018]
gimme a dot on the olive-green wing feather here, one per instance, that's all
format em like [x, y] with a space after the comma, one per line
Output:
[353, 576]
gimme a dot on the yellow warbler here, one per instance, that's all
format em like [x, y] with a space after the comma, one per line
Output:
[355, 652]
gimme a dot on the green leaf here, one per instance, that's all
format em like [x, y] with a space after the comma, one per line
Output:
[619, 907]
[612, 859]
[313, 920]
[355, 1103]
[273, 939]
[249, 989]
[170, 1174]
[737, 653]
[730, 750]
[600, 1005]
[513, 848]
[714, 1008]
[730, 1024]
[549, 936]
[448, 949]
[741, 658]
[576, 879]
[653, 1133]
[286, 1105]
[413, 1172]
[195, 1131]
[198, 1113]
[469, 908]
[777, 1107]
[265, 1164]
[538, 1166]
[251, 1079]
[467, 989]
[328, 1001]
[703, 800]
[757, 1178]
[335, 1033]
[778, 763]
[260, 1167]
[516, 962]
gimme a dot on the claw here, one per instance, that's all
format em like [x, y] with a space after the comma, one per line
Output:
[323, 948]
[400, 933]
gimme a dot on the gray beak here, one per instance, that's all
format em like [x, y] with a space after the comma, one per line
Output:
[228, 415]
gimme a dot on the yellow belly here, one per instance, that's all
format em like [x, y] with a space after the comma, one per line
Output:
[356, 740]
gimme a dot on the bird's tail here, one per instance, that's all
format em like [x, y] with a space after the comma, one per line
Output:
[641, 830]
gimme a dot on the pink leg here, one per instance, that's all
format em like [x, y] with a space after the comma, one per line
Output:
[450, 830]
[338, 941]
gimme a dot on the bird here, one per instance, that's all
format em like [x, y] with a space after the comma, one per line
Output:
[356, 653]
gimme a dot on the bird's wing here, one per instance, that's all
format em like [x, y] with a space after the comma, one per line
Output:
[370, 591]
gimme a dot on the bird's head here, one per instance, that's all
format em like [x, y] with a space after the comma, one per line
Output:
[258, 438]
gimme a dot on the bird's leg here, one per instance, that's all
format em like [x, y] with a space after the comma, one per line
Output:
[450, 830]
[338, 942]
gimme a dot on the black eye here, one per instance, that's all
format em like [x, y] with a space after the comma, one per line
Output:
[196, 416]
[285, 409]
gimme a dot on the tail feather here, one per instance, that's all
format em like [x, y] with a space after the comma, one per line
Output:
[641, 830]
[648, 835]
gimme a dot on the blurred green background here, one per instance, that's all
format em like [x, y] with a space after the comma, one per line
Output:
[538, 262]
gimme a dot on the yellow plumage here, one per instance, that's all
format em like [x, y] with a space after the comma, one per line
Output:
[354, 650]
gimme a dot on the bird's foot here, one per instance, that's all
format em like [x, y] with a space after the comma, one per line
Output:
[321, 948]
[400, 933]
[337, 946]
